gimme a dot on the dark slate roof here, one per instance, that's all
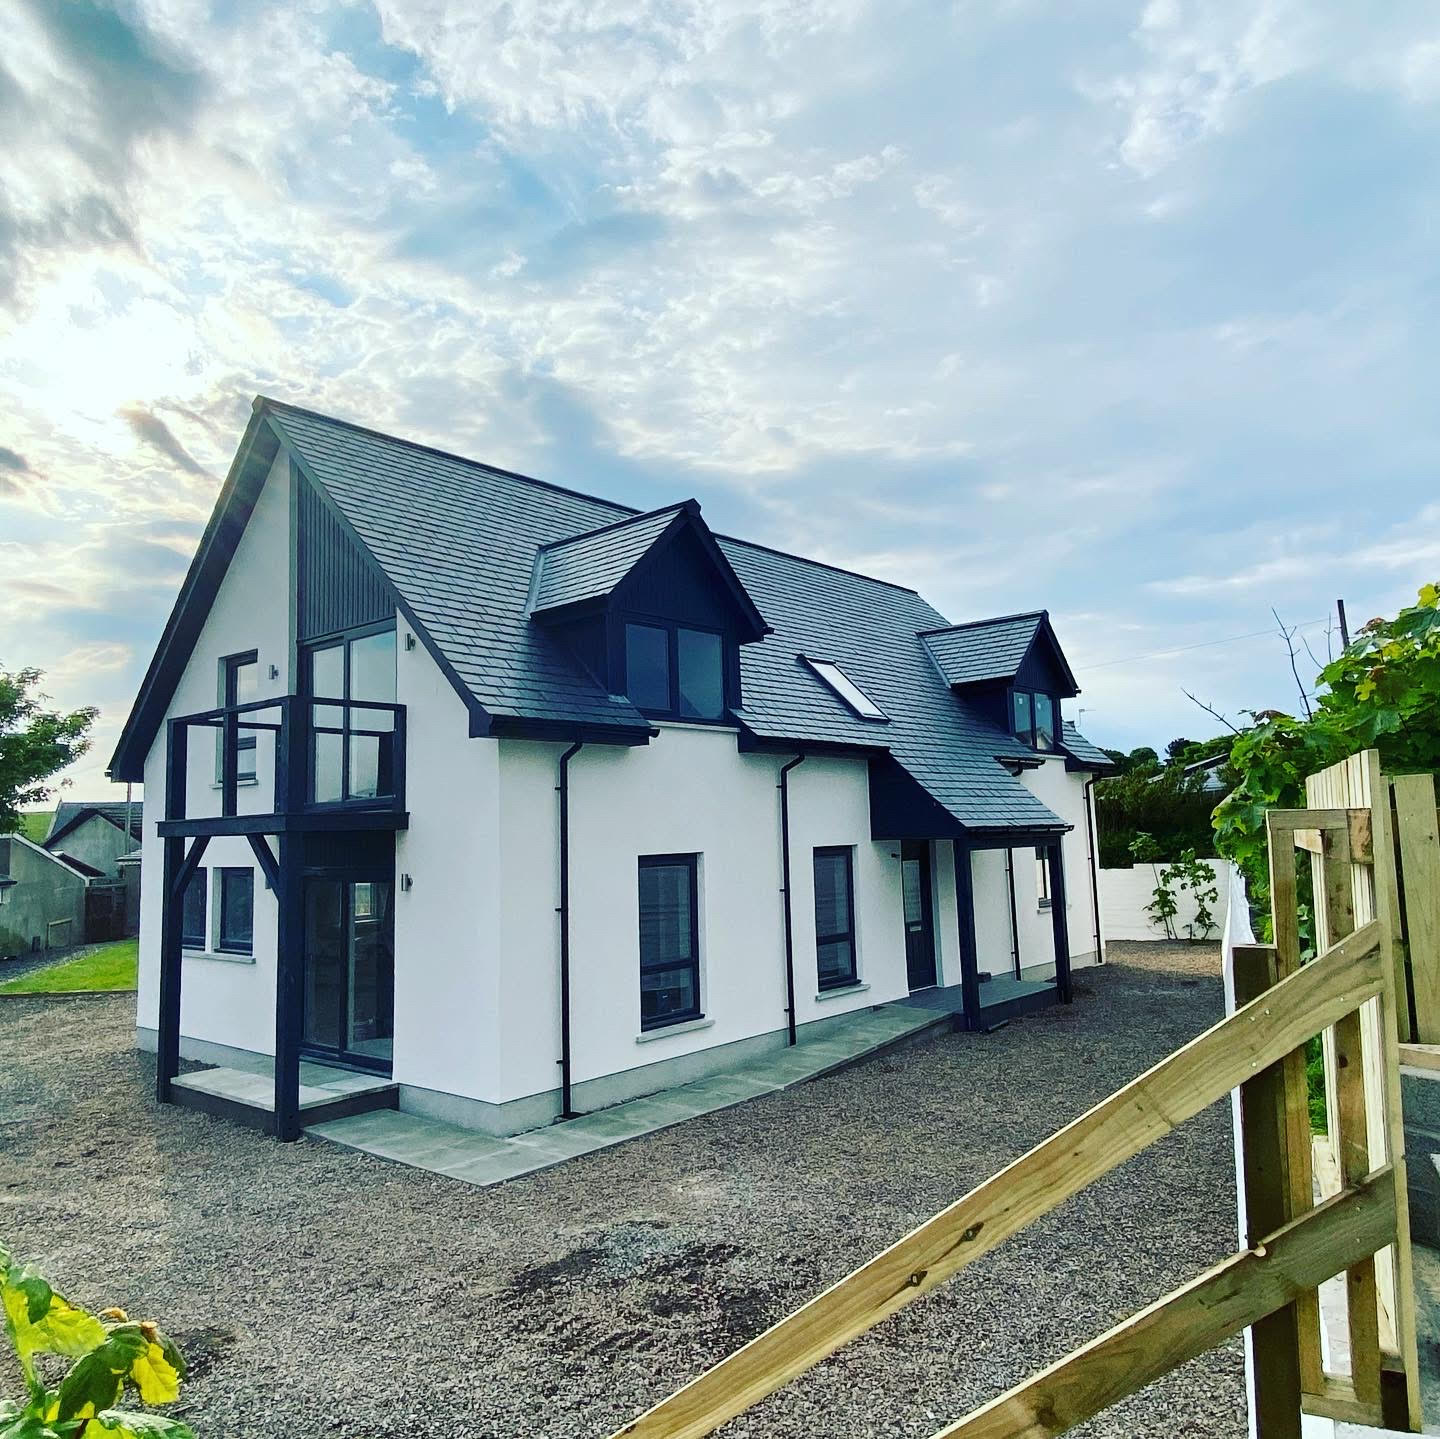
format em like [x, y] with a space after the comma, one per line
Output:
[458, 540]
[983, 649]
[70, 812]
[1085, 754]
[591, 565]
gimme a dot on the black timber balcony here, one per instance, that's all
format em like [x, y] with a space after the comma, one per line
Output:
[321, 764]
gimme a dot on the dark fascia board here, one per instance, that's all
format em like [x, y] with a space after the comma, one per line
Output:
[748, 742]
[78, 819]
[687, 516]
[1018, 838]
[480, 718]
[1045, 628]
[207, 569]
[518, 727]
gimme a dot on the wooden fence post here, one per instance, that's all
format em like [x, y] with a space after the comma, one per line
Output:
[1418, 845]
[1274, 1340]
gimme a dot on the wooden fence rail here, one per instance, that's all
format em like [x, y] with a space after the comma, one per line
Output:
[1350, 994]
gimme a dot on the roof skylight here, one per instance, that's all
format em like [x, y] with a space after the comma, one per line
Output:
[847, 689]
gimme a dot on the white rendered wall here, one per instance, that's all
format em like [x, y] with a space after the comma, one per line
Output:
[448, 956]
[224, 1000]
[1124, 893]
[688, 792]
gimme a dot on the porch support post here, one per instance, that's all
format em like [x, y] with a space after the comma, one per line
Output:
[289, 996]
[167, 1043]
[1056, 862]
[965, 913]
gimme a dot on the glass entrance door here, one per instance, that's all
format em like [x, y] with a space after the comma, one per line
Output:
[919, 913]
[350, 970]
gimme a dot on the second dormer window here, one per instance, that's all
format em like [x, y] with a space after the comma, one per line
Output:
[675, 670]
[1033, 718]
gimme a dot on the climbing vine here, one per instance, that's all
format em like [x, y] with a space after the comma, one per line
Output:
[1383, 692]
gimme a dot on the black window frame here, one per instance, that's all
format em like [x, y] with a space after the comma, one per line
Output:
[223, 943]
[1031, 735]
[198, 884]
[672, 628]
[230, 665]
[342, 640]
[844, 981]
[668, 861]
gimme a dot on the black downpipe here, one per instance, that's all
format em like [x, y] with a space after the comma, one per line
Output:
[563, 786]
[1094, 867]
[1014, 916]
[784, 788]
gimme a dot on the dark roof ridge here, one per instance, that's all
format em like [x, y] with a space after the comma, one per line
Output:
[266, 402]
[692, 505]
[630, 511]
[993, 620]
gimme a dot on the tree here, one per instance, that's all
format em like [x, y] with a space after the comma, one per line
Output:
[1177, 749]
[35, 743]
[1382, 692]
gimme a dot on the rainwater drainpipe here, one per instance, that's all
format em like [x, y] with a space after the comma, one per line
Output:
[1014, 917]
[1094, 868]
[784, 788]
[563, 787]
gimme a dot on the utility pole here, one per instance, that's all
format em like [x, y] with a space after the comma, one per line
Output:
[1344, 627]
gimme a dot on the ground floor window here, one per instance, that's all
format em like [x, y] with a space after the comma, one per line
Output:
[192, 913]
[669, 939]
[1042, 876]
[835, 916]
[237, 910]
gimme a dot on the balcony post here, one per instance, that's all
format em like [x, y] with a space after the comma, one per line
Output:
[172, 900]
[289, 985]
[397, 757]
[1059, 920]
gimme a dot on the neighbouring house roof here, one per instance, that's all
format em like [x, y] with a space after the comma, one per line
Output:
[77, 867]
[72, 812]
[981, 651]
[1084, 754]
[134, 857]
[473, 552]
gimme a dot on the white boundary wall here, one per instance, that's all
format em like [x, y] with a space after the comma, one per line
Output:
[1124, 893]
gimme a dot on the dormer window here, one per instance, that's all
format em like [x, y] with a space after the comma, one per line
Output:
[675, 670]
[1033, 718]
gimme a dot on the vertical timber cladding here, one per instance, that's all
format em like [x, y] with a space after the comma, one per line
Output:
[338, 587]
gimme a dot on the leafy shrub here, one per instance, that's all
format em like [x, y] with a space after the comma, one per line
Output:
[1171, 807]
[112, 1353]
[1383, 692]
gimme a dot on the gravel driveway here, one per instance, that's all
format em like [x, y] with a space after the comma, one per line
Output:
[317, 1290]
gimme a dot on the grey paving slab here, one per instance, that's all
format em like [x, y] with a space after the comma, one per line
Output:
[482, 1160]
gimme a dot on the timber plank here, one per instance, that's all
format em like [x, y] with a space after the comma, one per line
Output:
[1419, 845]
[1178, 1087]
[1235, 1293]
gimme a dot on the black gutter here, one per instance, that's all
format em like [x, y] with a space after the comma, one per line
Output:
[563, 786]
[784, 788]
[1094, 866]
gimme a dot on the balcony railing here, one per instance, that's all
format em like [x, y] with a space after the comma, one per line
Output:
[316, 755]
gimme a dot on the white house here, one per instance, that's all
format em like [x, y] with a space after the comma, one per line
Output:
[535, 804]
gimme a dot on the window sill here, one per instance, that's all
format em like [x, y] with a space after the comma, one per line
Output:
[223, 956]
[841, 991]
[1043, 907]
[664, 1031]
[239, 783]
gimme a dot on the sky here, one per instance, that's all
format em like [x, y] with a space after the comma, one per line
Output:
[1122, 310]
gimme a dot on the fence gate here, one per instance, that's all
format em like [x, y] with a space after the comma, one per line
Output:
[104, 912]
[1355, 993]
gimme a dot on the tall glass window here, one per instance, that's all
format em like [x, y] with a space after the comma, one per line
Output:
[647, 666]
[669, 940]
[702, 674]
[351, 746]
[192, 913]
[237, 910]
[835, 917]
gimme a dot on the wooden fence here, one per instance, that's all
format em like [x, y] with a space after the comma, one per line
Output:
[1373, 954]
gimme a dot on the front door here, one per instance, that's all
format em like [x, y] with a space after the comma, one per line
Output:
[350, 970]
[919, 913]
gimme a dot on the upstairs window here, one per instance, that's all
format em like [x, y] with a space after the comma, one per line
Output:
[1034, 718]
[675, 670]
[847, 689]
[239, 684]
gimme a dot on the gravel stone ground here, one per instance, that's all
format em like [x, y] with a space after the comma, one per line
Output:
[319, 1291]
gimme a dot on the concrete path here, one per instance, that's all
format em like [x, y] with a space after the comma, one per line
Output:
[482, 1160]
[254, 1087]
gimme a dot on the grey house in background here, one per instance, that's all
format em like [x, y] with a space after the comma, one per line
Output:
[105, 837]
[42, 897]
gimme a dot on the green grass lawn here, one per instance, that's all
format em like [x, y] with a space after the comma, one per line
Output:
[35, 824]
[112, 966]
